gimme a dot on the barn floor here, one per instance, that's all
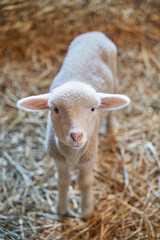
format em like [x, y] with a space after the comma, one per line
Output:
[34, 37]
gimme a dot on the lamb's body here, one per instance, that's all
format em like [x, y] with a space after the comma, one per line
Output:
[85, 84]
[91, 59]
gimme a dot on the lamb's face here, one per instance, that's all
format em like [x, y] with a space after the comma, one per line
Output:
[73, 113]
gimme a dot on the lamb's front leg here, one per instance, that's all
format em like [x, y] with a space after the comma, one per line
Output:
[63, 183]
[85, 183]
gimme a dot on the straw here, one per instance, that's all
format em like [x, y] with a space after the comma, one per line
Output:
[34, 37]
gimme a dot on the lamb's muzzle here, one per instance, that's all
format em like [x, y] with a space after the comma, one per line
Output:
[77, 136]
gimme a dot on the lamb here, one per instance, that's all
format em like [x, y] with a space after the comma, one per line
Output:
[81, 95]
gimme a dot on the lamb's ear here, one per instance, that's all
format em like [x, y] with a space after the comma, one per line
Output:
[113, 101]
[34, 103]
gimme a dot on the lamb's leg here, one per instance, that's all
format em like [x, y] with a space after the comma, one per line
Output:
[63, 183]
[85, 183]
[112, 124]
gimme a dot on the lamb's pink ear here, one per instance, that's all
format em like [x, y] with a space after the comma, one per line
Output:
[34, 103]
[113, 101]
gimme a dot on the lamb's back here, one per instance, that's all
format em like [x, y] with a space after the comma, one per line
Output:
[91, 58]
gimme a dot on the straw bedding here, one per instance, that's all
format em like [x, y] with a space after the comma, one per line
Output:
[34, 36]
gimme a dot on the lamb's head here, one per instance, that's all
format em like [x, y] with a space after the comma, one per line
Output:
[74, 108]
[73, 113]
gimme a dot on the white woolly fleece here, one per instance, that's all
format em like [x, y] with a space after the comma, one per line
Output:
[90, 59]
[73, 93]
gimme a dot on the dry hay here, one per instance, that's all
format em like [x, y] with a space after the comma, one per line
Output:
[34, 36]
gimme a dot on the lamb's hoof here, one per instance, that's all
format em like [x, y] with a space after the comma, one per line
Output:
[112, 133]
[66, 213]
[61, 210]
[87, 213]
[72, 214]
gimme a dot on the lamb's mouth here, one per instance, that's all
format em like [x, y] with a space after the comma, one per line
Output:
[77, 146]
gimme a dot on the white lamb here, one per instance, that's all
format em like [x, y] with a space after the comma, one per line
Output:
[78, 96]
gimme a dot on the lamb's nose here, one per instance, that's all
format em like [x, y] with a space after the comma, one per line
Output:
[76, 136]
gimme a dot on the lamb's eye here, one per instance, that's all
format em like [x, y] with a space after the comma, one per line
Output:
[56, 110]
[92, 109]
